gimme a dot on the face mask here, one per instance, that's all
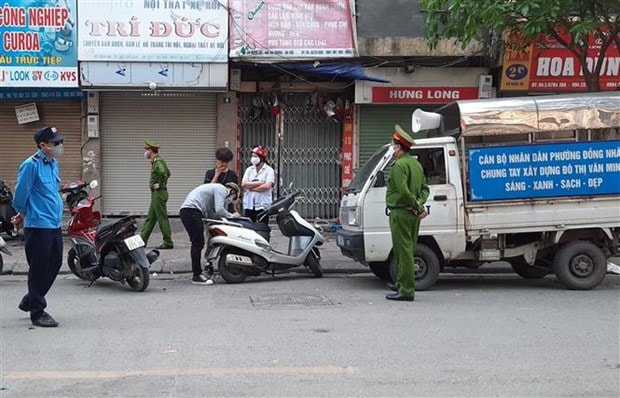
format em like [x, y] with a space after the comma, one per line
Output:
[254, 160]
[395, 147]
[146, 155]
[56, 151]
[229, 200]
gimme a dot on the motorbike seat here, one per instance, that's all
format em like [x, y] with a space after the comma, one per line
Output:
[261, 228]
[104, 225]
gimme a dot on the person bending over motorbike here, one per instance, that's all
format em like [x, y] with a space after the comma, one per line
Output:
[205, 201]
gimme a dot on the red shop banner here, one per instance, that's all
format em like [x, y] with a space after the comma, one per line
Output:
[422, 95]
[548, 66]
[347, 150]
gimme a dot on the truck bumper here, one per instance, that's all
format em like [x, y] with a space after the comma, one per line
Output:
[351, 244]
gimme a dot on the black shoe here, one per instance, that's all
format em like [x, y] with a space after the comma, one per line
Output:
[398, 297]
[392, 287]
[23, 305]
[45, 321]
[165, 247]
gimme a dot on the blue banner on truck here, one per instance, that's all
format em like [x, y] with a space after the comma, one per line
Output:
[544, 170]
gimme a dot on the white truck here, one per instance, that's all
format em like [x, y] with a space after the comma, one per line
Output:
[534, 181]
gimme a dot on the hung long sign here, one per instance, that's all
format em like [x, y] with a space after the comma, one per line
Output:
[422, 95]
[544, 170]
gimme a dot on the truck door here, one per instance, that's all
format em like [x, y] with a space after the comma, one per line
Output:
[441, 205]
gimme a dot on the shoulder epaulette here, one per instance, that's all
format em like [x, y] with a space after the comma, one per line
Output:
[36, 157]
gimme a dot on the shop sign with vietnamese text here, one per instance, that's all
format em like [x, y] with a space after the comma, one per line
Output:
[291, 29]
[38, 43]
[422, 95]
[153, 30]
[548, 66]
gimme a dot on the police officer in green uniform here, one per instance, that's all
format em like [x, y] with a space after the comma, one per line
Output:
[158, 212]
[405, 197]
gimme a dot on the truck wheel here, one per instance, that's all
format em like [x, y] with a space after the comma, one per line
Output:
[426, 267]
[381, 270]
[524, 270]
[580, 265]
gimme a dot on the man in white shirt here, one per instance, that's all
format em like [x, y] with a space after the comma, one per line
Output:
[205, 201]
[258, 181]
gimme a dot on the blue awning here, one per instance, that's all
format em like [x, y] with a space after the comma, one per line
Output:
[335, 70]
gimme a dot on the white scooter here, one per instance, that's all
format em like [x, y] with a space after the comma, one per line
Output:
[241, 248]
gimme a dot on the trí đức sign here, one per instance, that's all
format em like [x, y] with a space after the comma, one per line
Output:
[544, 170]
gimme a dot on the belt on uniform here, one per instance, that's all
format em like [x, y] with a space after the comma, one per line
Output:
[407, 208]
[159, 189]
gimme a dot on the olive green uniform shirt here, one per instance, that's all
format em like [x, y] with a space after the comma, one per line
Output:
[407, 187]
[159, 172]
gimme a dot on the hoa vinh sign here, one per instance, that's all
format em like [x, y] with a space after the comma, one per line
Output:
[548, 66]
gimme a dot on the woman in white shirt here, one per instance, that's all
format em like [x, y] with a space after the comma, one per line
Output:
[257, 182]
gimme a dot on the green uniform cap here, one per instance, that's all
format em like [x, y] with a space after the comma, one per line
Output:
[151, 144]
[402, 137]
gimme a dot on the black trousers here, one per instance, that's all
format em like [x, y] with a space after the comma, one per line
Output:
[192, 221]
[43, 248]
[253, 215]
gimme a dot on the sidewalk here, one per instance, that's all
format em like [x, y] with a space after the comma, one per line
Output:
[177, 260]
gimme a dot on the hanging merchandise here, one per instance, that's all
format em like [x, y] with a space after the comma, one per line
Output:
[257, 108]
[275, 108]
[330, 108]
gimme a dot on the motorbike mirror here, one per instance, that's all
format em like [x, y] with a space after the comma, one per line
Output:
[93, 184]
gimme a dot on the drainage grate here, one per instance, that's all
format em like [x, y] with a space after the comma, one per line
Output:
[289, 299]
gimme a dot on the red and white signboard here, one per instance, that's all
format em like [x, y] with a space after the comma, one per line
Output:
[422, 95]
[347, 150]
[548, 66]
[293, 29]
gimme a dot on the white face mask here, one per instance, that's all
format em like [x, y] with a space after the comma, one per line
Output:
[146, 155]
[395, 147]
[255, 160]
[57, 150]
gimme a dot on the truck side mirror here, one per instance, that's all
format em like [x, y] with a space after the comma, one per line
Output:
[380, 180]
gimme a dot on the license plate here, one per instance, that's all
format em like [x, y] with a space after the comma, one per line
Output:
[340, 241]
[134, 242]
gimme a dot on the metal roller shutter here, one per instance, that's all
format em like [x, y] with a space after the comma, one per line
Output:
[377, 125]
[16, 140]
[184, 124]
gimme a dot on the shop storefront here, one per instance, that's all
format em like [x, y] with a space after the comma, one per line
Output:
[159, 83]
[23, 112]
[382, 105]
[184, 124]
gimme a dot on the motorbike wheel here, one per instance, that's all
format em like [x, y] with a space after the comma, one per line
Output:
[73, 261]
[229, 274]
[1, 264]
[314, 265]
[140, 279]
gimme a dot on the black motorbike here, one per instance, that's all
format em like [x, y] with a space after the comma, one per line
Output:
[6, 210]
[104, 249]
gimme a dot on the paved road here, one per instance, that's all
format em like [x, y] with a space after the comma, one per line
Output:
[295, 335]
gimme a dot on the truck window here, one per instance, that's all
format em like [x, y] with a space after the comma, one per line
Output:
[364, 173]
[433, 162]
